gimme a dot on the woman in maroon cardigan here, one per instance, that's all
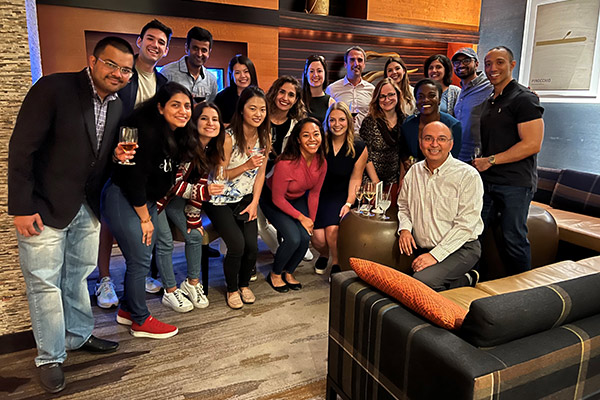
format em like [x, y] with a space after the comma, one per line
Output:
[291, 198]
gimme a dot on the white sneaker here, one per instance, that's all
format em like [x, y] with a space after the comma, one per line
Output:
[308, 256]
[152, 285]
[177, 301]
[106, 297]
[195, 293]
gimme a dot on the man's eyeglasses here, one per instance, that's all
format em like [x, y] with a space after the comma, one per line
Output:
[387, 96]
[464, 61]
[440, 140]
[125, 71]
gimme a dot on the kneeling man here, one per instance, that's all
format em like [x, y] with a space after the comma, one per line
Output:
[439, 213]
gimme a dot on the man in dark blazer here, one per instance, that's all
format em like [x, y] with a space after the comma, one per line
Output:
[59, 158]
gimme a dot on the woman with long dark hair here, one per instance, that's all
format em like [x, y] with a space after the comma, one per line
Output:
[291, 198]
[314, 83]
[241, 73]
[381, 132]
[439, 68]
[395, 68]
[183, 205]
[346, 160]
[166, 138]
[245, 147]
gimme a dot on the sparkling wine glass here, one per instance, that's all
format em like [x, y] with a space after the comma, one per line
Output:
[128, 138]
[358, 191]
[219, 177]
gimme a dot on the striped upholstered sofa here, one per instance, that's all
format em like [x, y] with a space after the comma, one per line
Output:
[529, 336]
[573, 199]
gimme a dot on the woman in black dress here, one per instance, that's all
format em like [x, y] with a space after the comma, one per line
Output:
[381, 132]
[346, 159]
[314, 83]
[241, 74]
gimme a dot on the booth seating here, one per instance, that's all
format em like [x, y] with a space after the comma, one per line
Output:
[376, 240]
[210, 235]
[573, 199]
[529, 336]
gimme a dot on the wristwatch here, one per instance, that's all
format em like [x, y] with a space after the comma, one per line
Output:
[492, 159]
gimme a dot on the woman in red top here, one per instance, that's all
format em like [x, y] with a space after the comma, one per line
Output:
[291, 199]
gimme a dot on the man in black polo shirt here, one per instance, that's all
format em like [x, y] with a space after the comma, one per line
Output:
[512, 131]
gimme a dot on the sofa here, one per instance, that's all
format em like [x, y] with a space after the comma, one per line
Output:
[528, 336]
[573, 199]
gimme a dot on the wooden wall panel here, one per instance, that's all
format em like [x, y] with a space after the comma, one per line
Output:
[62, 36]
[460, 14]
[295, 45]
[270, 4]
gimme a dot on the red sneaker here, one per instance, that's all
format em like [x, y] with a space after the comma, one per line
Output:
[153, 328]
[124, 317]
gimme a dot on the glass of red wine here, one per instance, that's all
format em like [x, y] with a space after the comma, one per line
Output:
[128, 138]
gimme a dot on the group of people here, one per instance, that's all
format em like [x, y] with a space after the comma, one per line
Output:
[282, 164]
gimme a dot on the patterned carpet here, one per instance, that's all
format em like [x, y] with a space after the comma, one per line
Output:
[273, 349]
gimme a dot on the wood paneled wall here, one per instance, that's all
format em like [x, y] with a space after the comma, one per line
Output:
[62, 36]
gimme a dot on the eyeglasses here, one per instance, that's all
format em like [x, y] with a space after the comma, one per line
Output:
[464, 61]
[387, 96]
[125, 71]
[440, 140]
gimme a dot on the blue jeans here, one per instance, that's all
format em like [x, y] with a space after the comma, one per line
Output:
[55, 266]
[125, 225]
[512, 203]
[164, 243]
[295, 238]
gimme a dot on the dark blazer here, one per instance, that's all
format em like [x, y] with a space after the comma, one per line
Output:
[129, 92]
[53, 164]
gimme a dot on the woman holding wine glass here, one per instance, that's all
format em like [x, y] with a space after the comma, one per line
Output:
[346, 159]
[381, 132]
[291, 197]
[245, 145]
[183, 206]
[241, 73]
[166, 138]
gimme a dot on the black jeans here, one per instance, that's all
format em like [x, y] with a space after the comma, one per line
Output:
[241, 239]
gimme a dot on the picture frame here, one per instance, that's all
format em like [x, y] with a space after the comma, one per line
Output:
[560, 58]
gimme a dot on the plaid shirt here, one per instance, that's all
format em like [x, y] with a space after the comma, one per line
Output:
[100, 108]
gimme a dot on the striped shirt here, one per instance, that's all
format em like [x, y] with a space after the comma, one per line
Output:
[100, 108]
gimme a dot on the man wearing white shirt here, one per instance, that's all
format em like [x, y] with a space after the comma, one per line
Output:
[352, 89]
[439, 213]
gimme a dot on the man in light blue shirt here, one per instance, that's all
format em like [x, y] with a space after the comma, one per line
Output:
[475, 90]
[189, 70]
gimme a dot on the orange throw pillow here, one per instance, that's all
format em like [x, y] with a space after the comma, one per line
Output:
[412, 293]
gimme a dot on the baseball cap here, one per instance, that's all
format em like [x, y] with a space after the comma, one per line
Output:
[467, 51]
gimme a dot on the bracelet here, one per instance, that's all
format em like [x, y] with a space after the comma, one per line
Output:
[145, 221]
[349, 205]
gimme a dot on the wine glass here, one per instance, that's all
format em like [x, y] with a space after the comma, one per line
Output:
[384, 203]
[369, 194]
[220, 178]
[358, 191]
[128, 138]
[476, 152]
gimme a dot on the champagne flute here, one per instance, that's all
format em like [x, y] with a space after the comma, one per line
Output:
[358, 191]
[220, 178]
[384, 203]
[128, 138]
